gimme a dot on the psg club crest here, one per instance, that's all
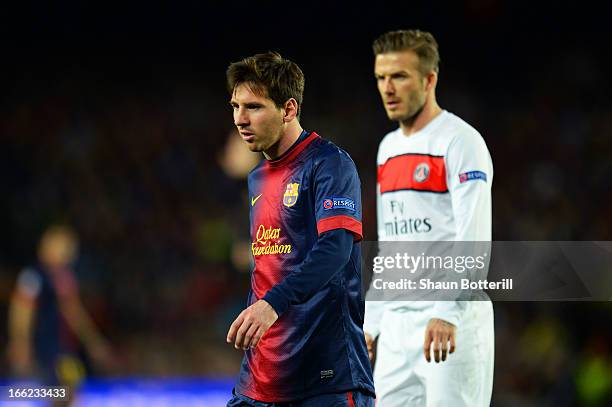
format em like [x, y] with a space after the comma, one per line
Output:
[421, 173]
[291, 194]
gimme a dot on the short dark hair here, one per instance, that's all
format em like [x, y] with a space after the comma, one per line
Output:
[268, 75]
[422, 43]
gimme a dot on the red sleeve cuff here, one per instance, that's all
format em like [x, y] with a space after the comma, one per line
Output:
[341, 222]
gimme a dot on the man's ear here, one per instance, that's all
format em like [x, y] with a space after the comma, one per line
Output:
[431, 80]
[290, 110]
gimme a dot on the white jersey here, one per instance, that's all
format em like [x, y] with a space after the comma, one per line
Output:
[434, 185]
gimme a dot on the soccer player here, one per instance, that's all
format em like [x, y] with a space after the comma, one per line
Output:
[434, 175]
[47, 318]
[302, 330]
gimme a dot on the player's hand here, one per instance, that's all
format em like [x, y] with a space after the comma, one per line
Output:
[370, 344]
[20, 356]
[251, 324]
[104, 357]
[439, 333]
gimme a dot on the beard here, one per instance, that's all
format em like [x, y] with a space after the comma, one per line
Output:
[414, 107]
[413, 104]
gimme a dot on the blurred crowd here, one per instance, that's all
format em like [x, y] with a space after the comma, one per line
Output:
[143, 164]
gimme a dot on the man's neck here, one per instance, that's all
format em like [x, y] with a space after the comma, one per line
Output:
[430, 111]
[287, 139]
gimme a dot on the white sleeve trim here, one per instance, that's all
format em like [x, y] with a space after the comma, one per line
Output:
[29, 283]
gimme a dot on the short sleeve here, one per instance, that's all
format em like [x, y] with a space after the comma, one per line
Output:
[29, 283]
[338, 194]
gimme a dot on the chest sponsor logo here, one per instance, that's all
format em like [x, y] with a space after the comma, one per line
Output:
[399, 224]
[267, 241]
[407, 226]
[421, 172]
[291, 194]
[338, 203]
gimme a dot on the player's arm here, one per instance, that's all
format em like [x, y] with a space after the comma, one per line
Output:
[80, 322]
[328, 256]
[82, 325]
[21, 316]
[469, 178]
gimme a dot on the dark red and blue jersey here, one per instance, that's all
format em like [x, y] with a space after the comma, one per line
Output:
[305, 229]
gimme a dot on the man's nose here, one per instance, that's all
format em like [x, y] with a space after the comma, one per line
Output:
[388, 87]
[241, 119]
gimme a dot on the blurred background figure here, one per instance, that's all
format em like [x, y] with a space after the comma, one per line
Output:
[48, 325]
[236, 159]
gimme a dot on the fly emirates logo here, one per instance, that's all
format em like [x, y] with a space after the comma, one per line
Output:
[267, 242]
[398, 224]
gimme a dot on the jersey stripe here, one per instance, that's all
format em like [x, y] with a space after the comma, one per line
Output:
[416, 155]
[349, 397]
[415, 172]
[341, 222]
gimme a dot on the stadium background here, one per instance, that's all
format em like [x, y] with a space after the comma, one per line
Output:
[115, 119]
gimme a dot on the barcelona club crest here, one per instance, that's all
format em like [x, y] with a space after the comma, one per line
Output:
[291, 194]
